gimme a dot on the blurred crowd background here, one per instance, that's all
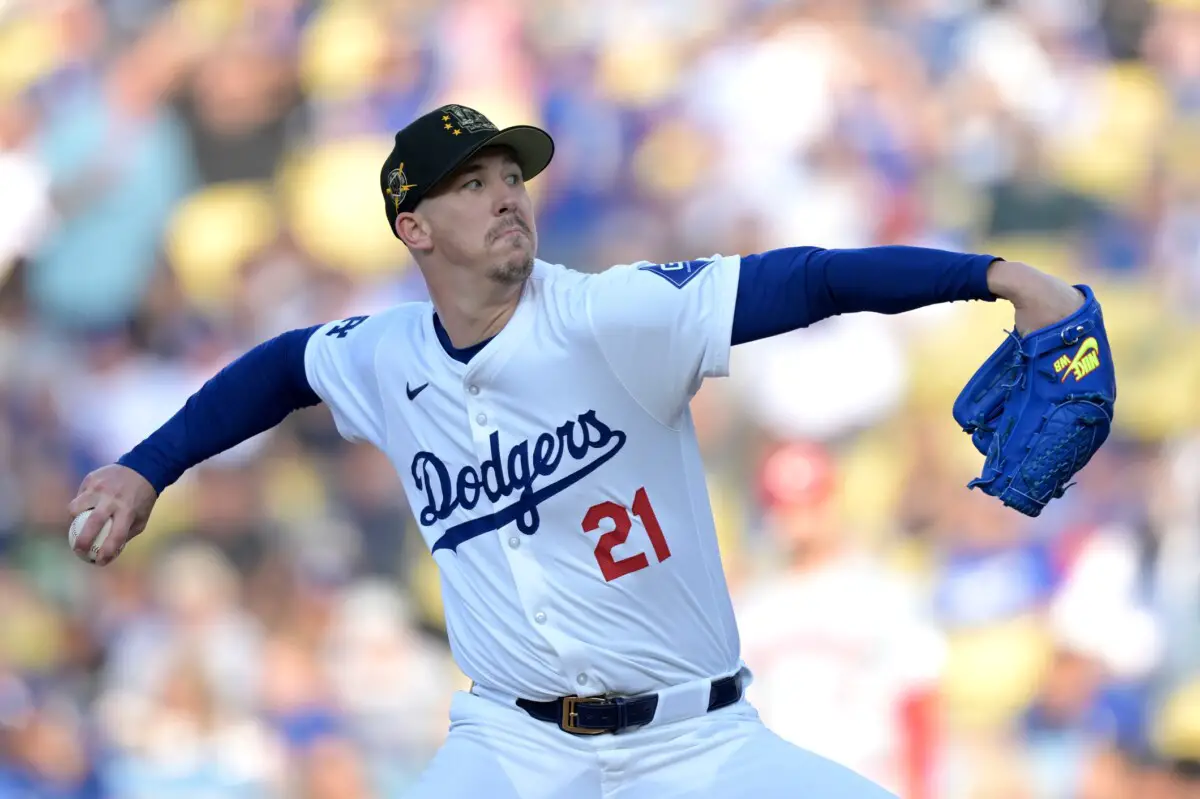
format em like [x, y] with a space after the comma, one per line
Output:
[181, 180]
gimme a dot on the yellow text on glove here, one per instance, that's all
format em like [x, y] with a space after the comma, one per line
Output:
[1086, 360]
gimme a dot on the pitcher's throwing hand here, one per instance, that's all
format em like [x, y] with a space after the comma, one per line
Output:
[113, 492]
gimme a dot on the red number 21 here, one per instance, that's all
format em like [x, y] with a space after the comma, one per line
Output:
[612, 569]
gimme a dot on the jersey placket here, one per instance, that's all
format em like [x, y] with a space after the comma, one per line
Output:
[528, 574]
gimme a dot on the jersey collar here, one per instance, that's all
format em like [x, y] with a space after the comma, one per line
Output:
[487, 356]
[463, 355]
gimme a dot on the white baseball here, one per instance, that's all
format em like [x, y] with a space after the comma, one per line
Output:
[77, 528]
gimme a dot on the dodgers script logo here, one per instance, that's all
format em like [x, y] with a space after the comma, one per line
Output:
[503, 475]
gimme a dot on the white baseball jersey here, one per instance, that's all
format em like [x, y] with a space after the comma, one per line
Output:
[556, 477]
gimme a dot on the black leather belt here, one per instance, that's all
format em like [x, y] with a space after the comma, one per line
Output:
[596, 715]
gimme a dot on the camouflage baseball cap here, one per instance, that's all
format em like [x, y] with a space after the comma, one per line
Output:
[431, 147]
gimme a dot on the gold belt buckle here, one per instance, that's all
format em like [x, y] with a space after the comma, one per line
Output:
[570, 718]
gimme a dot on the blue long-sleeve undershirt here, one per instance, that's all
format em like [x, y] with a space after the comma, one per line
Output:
[778, 291]
[249, 396]
[791, 288]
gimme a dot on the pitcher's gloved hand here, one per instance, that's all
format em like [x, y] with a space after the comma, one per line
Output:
[1041, 406]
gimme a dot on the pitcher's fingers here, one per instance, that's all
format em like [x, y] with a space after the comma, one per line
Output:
[91, 528]
[117, 536]
[84, 500]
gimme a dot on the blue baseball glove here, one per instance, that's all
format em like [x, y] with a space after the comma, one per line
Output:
[1039, 407]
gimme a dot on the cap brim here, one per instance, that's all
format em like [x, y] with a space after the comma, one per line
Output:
[533, 147]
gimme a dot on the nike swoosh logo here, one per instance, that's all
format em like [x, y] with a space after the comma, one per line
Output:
[1088, 347]
[413, 392]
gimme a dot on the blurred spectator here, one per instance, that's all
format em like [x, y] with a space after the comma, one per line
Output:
[845, 657]
[26, 214]
[184, 740]
[393, 685]
[991, 569]
[373, 502]
[43, 753]
[1028, 200]
[240, 107]
[195, 608]
[118, 164]
[1085, 727]
[334, 769]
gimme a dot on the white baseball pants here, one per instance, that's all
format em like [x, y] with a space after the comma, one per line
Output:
[495, 749]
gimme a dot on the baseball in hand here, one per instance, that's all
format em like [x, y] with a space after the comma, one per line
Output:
[77, 528]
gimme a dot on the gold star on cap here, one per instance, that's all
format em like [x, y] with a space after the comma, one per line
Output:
[457, 131]
[445, 117]
[448, 126]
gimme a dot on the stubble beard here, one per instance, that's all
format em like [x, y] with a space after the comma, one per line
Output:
[514, 270]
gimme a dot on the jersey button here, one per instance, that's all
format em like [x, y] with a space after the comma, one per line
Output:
[581, 679]
[481, 418]
[539, 617]
[473, 389]
[514, 542]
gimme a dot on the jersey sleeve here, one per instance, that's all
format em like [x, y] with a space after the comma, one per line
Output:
[340, 364]
[663, 328]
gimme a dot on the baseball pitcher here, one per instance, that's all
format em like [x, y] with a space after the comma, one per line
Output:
[538, 418]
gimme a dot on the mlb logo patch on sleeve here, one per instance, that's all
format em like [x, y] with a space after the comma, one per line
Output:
[678, 273]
